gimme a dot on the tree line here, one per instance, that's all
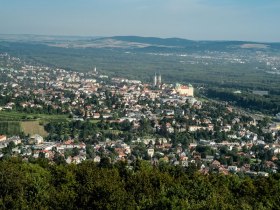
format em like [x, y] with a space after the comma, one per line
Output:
[266, 104]
[38, 184]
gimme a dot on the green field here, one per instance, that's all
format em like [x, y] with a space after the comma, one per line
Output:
[10, 116]
[116, 132]
[17, 116]
[33, 127]
[10, 128]
[94, 121]
[14, 123]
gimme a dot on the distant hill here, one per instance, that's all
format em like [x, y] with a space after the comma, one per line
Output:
[136, 42]
[40, 38]
[161, 44]
[156, 41]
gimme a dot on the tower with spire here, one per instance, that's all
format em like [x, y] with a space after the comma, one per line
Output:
[94, 70]
[155, 80]
[159, 80]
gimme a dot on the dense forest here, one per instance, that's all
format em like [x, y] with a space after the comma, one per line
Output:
[44, 185]
[268, 104]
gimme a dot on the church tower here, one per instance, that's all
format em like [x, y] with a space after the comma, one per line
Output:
[159, 80]
[155, 80]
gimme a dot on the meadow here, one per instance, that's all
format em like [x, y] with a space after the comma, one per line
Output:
[14, 123]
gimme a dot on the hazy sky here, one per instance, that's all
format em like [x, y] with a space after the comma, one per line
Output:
[256, 20]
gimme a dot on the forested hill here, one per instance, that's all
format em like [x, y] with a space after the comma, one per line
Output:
[42, 185]
[181, 43]
[155, 40]
[136, 42]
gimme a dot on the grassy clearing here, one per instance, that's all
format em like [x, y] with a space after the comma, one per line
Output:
[10, 116]
[33, 127]
[13, 123]
[94, 121]
[17, 116]
[116, 132]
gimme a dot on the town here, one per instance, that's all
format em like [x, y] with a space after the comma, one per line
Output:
[109, 119]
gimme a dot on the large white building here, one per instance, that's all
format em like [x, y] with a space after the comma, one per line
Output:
[184, 90]
[36, 139]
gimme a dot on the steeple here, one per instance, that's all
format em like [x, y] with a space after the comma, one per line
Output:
[159, 80]
[155, 80]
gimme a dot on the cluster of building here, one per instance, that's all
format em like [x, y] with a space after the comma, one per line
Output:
[212, 136]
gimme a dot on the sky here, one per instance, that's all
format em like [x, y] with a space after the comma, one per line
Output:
[250, 20]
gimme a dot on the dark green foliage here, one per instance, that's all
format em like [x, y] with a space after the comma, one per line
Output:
[266, 104]
[10, 128]
[40, 185]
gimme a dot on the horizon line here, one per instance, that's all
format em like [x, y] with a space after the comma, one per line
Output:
[144, 36]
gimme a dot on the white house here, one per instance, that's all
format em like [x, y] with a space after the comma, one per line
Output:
[151, 152]
[36, 139]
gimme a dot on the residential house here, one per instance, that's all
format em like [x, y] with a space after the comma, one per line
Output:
[36, 139]
[3, 138]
